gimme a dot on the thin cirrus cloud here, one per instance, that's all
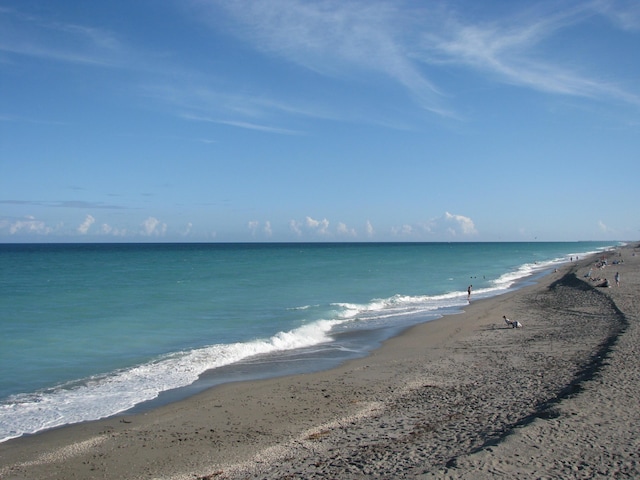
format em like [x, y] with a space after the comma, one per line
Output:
[403, 42]
[64, 204]
[337, 40]
[341, 38]
[241, 124]
[510, 50]
[57, 41]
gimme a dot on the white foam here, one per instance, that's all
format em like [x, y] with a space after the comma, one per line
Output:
[106, 395]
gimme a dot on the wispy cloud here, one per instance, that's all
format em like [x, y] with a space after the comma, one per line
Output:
[338, 39]
[512, 50]
[604, 228]
[356, 42]
[64, 204]
[205, 100]
[29, 35]
[625, 14]
[242, 124]
[219, 103]
[407, 43]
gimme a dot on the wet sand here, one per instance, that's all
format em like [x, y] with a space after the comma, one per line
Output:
[460, 397]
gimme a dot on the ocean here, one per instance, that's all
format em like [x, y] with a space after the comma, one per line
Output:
[88, 331]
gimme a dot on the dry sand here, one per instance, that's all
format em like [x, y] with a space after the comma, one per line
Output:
[463, 397]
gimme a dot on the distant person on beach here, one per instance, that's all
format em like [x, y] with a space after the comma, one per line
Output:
[469, 293]
[617, 279]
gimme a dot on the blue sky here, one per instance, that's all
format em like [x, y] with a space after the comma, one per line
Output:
[286, 120]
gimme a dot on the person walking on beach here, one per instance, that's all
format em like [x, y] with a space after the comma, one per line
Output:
[617, 279]
[469, 293]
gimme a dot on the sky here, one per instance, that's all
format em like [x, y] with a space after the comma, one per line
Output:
[314, 121]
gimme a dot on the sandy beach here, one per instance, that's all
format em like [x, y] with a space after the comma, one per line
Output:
[462, 397]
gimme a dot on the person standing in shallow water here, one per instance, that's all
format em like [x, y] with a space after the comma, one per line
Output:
[469, 293]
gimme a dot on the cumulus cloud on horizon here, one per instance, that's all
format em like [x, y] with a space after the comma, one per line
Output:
[446, 226]
[254, 228]
[321, 228]
[28, 224]
[152, 226]
[86, 225]
[458, 224]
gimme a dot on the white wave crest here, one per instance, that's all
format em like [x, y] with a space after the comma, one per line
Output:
[106, 395]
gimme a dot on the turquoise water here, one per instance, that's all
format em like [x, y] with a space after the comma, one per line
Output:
[88, 331]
